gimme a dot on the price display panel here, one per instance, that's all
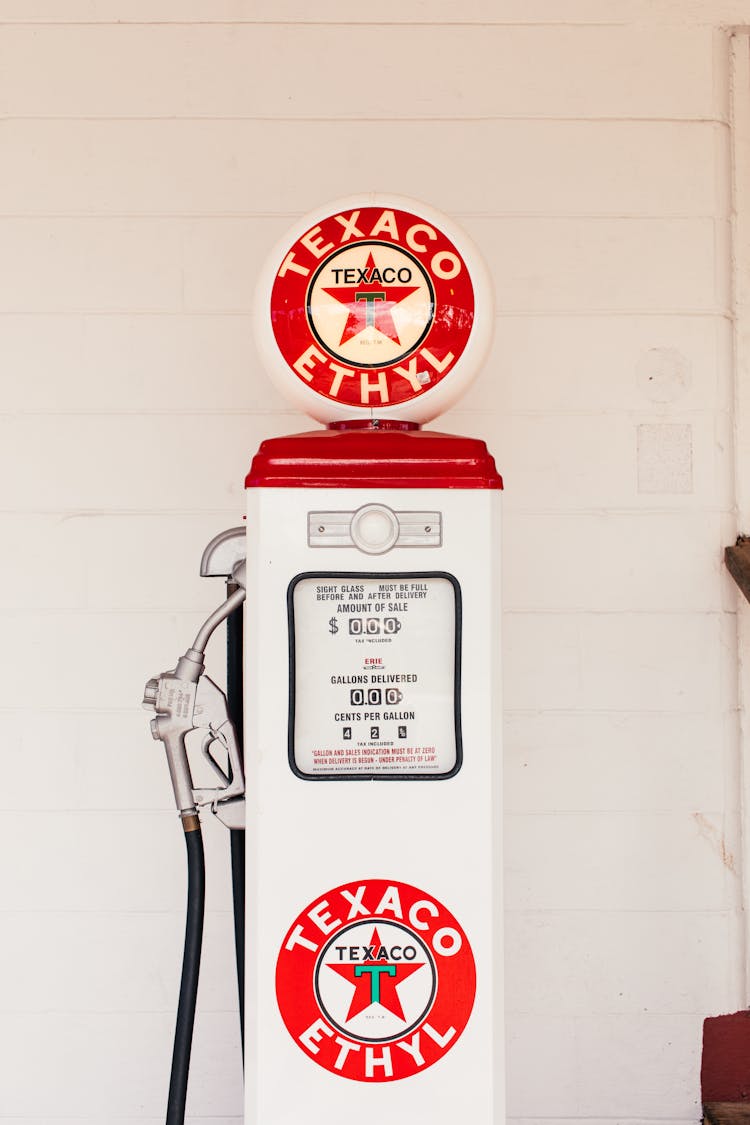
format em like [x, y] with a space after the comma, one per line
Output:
[375, 671]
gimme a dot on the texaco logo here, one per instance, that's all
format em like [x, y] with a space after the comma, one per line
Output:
[372, 307]
[375, 981]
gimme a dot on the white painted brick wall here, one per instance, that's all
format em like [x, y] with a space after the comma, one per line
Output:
[152, 152]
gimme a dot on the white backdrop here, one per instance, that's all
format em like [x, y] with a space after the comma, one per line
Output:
[151, 155]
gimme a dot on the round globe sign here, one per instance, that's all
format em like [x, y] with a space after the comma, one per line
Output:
[374, 306]
[375, 981]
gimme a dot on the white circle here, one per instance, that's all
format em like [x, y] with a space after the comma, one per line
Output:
[430, 403]
[445, 256]
[446, 941]
[374, 529]
[410, 320]
[399, 953]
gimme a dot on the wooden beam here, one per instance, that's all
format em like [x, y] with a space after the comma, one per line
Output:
[737, 559]
[726, 1113]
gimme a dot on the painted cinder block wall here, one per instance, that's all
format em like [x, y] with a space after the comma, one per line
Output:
[152, 152]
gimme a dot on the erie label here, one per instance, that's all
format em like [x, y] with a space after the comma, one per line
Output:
[376, 675]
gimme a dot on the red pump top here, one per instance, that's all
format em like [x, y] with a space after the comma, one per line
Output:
[373, 454]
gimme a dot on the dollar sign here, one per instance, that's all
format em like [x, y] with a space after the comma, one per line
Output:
[333, 625]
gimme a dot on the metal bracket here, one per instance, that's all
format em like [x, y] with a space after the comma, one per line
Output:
[341, 529]
[222, 555]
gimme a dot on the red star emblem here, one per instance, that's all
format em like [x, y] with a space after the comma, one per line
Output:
[370, 304]
[376, 980]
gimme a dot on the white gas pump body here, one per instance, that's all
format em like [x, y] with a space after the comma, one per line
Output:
[373, 966]
[308, 836]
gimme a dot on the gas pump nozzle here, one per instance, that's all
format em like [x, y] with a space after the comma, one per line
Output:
[185, 699]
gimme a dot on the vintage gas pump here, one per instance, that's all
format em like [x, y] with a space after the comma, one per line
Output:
[372, 768]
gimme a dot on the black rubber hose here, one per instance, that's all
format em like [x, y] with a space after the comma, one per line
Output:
[237, 848]
[235, 698]
[191, 963]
